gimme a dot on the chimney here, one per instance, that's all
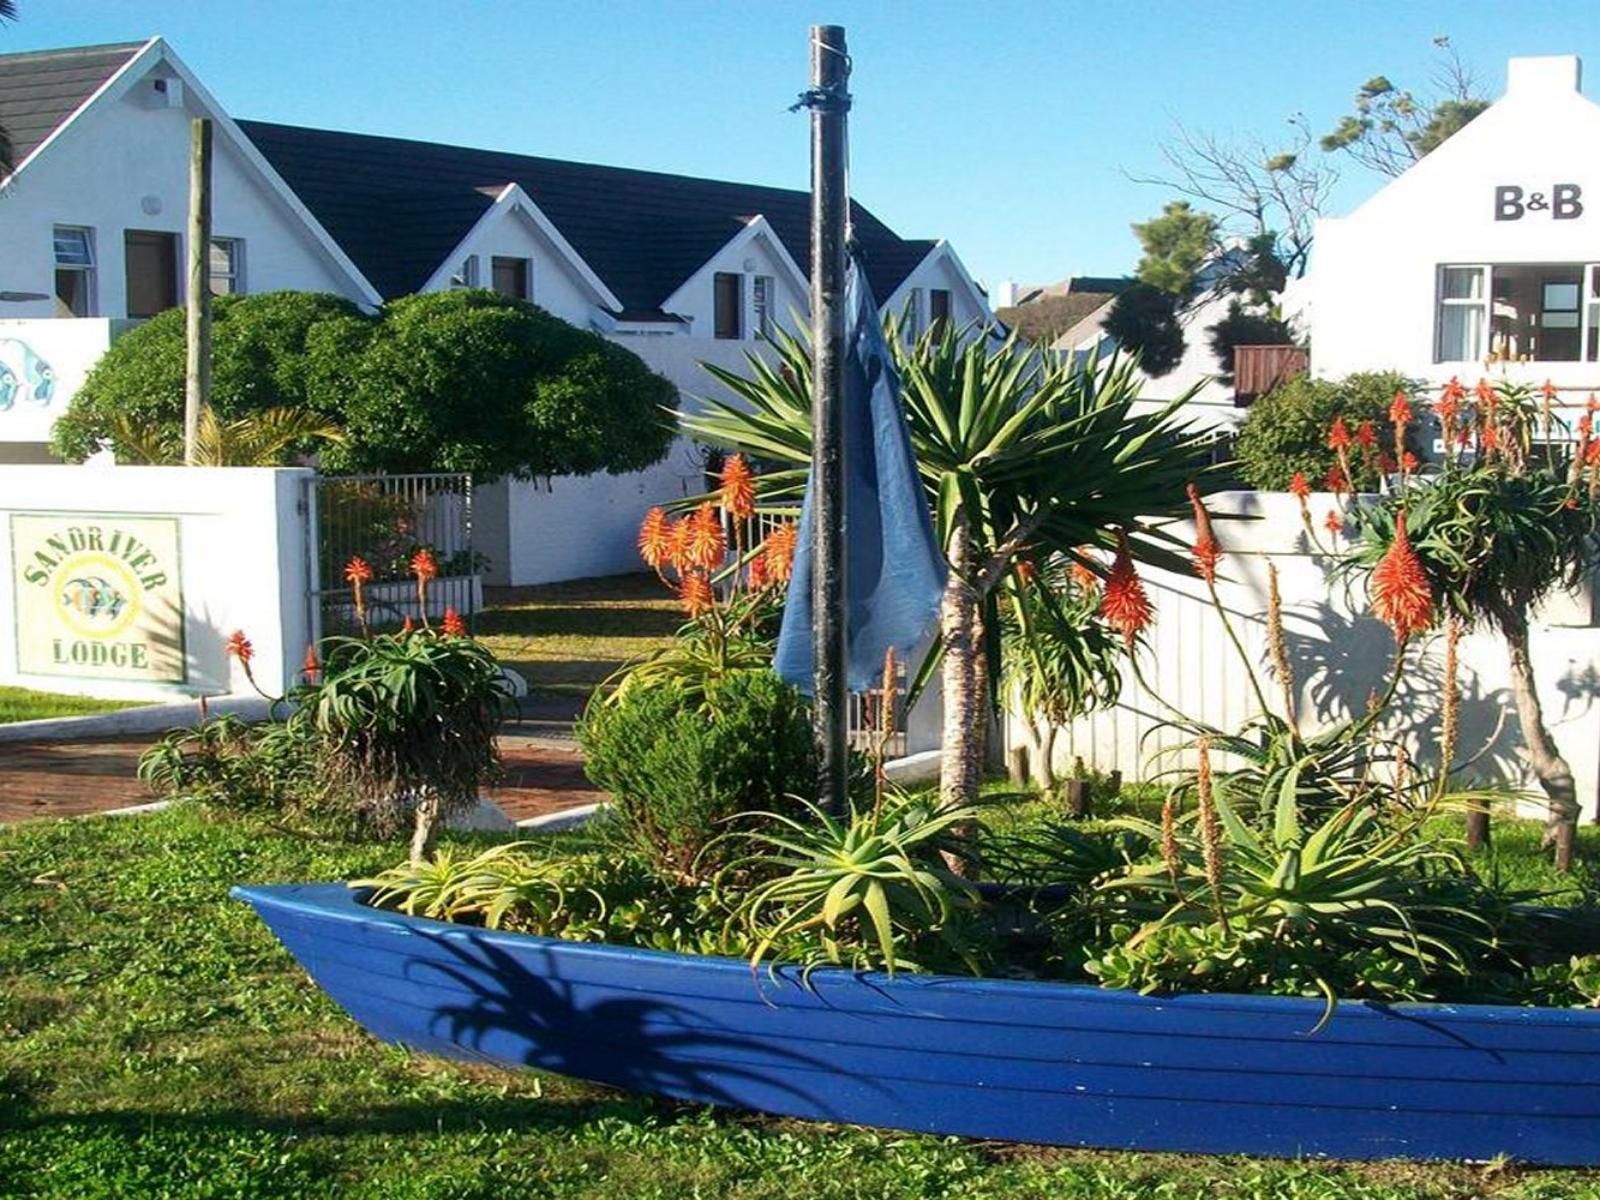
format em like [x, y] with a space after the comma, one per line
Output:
[1547, 75]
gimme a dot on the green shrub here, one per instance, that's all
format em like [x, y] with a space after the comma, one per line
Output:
[1287, 429]
[271, 768]
[677, 770]
[264, 355]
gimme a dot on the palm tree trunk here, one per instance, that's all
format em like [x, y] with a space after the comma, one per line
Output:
[963, 677]
[427, 825]
[1044, 766]
[1555, 776]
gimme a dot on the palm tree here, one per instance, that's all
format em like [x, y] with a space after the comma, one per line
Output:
[1024, 453]
[269, 437]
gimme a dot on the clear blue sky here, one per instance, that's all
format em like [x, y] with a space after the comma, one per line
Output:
[1005, 126]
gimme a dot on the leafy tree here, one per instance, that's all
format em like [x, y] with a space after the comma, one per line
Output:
[452, 381]
[1176, 245]
[1144, 321]
[1391, 128]
[1286, 431]
[1023, 453]
[1241, 327]
[265, 354]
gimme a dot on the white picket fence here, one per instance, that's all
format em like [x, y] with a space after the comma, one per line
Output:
[1339, 654]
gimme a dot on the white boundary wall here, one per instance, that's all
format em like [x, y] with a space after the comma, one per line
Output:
[1339, 654]
[243, 557]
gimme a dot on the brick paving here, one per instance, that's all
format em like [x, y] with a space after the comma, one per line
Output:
[45, 780]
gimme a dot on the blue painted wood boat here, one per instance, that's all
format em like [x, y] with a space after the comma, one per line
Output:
[1052, 1063]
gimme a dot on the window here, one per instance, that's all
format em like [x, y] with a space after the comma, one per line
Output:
[74, 256]
[467, 276]
[938, 306]
[509, 277]
[913, 316]
[1519, 312]
[763, 295]
[728, 304]
[151, 261]
[226, 266]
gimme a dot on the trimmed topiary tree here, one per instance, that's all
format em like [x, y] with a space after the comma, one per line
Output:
[451, 381]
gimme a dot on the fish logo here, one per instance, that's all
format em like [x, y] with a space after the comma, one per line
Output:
[92, 598]
[37, 382]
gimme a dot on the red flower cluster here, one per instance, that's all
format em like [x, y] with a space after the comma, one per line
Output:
[1207, 550]
[1125, 605]
[239, 647]
[310, 667]
[778, 551]
[1338, 435]
[1401, 594]
[737, 491]
[452, 625]
[424, 566]
[357, 571]
[1300, 487]
[695, 592]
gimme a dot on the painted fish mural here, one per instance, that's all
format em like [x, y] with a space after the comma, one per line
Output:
[93, 597]
[37, 383]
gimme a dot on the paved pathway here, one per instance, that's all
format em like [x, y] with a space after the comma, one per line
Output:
[543, 771]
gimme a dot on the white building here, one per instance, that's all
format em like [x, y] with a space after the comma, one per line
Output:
[1488, 248]
[680, 270]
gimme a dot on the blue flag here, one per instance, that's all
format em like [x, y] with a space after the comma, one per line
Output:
[894, 567]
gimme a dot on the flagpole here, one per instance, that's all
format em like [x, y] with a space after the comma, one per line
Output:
[829, 102]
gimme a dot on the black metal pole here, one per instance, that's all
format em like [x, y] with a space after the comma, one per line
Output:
[830, 203]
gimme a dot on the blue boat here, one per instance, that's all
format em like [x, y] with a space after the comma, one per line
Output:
[1060, 1064]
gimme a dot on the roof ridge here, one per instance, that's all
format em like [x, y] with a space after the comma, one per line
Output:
[543, 158]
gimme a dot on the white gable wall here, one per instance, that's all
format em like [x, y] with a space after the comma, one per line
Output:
[121, 158]
[939, 270]
[1375, 273]
[755, 252]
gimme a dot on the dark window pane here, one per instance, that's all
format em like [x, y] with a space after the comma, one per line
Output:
[72, 293]
[510, 277]
[152, 269]
[729, 315]
[938, 305]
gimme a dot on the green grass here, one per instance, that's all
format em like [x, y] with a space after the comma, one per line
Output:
[569, 637]
[24, 704]
[156, 1041]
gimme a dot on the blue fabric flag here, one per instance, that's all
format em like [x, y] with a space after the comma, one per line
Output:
[894, 567]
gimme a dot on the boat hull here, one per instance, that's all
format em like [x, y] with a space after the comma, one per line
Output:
[1059, 1064]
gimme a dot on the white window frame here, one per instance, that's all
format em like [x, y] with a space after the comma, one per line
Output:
[235, 272]
[468, 275]
[1482, 303]
[1588, 307]
[763, 296]
[89, 270]
[915, 320]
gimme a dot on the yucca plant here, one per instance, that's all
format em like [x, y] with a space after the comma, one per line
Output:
[1024, 453]
[267, 438]
[855, 890]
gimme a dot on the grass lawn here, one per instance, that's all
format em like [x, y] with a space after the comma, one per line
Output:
[156, 1041]
[569, 637]
[23, 704]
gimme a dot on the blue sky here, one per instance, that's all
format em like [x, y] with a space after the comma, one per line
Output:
[1007, 127]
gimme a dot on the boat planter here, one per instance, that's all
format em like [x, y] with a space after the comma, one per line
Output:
[1062, 1064]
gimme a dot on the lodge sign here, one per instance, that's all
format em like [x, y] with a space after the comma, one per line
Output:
[98, 597]
[1559, 202]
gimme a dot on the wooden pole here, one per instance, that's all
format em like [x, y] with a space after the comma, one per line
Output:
[197, 368]
[829, 102]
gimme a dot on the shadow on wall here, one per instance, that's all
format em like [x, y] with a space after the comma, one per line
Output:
[1347, 662]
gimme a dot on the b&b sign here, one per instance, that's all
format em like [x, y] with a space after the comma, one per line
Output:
[1563, 202]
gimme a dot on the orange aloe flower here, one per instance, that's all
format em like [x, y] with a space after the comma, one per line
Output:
[407, 626]
[1333, 522]
[1125, 605]
[309, 666]
[1083, 575]
[1207, 550]
[1367, 435]
[738, 488]
[678, 544]
[655, 539]
[1300, 486]
[1400, 413]
[1408, 463]
[424, 566]
[758, 576]
[1337, 481]
[1401, 594]
[705, 544]
[779, 550]
[1338, 435]
[695, 592]
[357, 571]
[239, 647]
[452, 625]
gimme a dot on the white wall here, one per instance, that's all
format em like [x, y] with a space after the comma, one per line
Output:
[510, 233]
[1374, 272]
[758, 254]
[938, 270]
[244, 561]
[68, 349]
[1339, 654]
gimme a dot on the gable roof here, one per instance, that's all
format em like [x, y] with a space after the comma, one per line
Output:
[40, 90]
[398, 207]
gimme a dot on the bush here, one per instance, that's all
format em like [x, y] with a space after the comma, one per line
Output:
[677, 770]
[450, 381]
[1287, 429]
[264, 355]
[270, 768]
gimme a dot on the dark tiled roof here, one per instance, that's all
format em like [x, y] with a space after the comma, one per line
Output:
[40, 90]
[1045, 319]
[397, 207]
